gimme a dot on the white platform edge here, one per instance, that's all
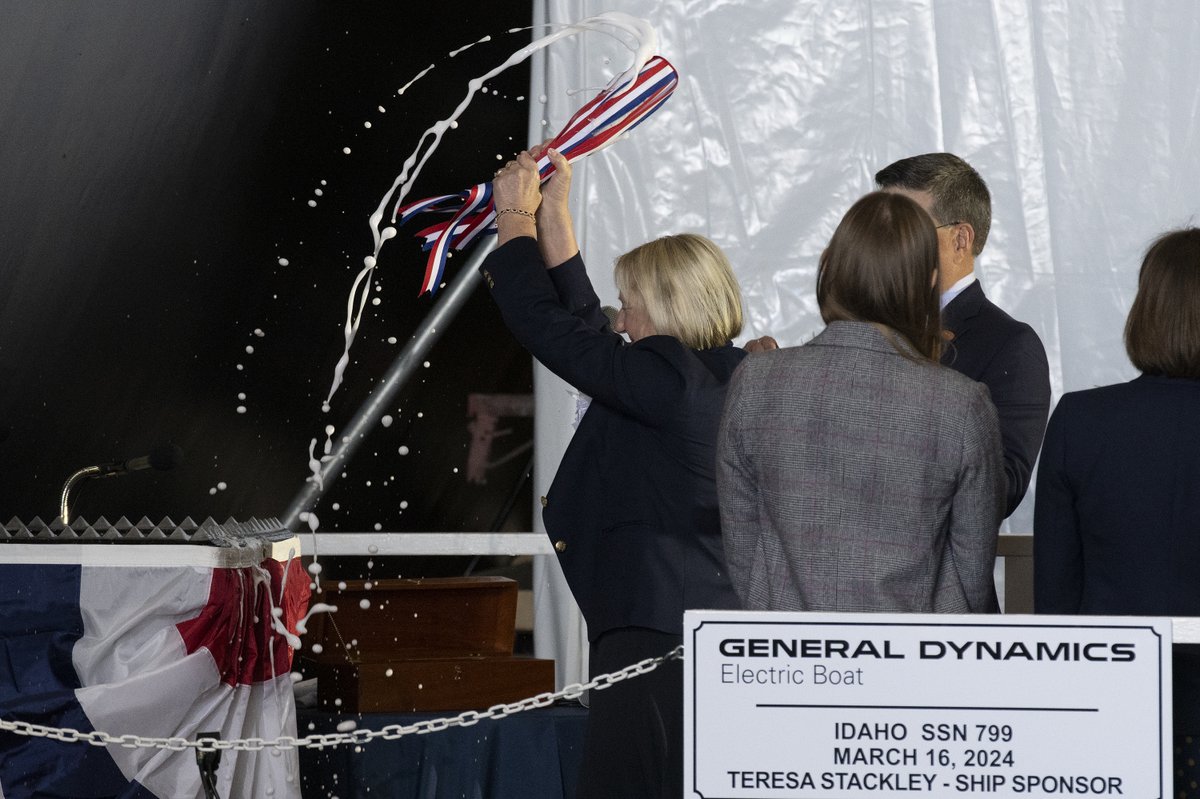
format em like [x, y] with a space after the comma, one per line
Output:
[149, 555]
[1185, 630]
[383, 543]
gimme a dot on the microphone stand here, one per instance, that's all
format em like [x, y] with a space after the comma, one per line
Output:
[64, 503]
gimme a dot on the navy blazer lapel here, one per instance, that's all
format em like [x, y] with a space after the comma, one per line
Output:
[959, 315]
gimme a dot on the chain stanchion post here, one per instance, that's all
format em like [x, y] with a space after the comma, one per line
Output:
[208, 760]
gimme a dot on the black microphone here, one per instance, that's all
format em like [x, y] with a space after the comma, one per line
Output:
[611, 313]
[164, 458]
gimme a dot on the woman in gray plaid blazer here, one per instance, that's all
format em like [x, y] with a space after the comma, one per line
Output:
[855, 473]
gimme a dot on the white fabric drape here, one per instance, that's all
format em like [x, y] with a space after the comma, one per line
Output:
[1082, 115]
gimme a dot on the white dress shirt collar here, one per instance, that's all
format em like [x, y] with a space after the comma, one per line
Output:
[952, 292]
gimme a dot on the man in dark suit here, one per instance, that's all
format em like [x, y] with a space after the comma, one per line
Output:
[986, 344]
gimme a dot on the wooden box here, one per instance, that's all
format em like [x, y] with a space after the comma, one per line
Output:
[440, 644]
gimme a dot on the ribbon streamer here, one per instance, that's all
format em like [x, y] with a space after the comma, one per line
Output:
[596, 125]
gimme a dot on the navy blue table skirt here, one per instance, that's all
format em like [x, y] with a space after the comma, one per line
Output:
[532, 755]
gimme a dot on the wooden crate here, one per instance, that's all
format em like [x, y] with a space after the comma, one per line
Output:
[435, 644]
[431, 684]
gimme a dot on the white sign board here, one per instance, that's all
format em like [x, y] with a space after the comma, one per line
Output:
[872, 705]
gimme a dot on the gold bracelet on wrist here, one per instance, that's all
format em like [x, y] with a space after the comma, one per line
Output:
[501, 212]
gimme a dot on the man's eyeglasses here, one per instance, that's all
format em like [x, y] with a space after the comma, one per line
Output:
[948, 224]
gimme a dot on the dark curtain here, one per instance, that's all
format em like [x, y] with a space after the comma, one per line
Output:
[157, 160]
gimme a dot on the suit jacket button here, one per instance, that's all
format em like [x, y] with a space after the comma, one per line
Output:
[488, 275]
[560, 546]
[545, 502]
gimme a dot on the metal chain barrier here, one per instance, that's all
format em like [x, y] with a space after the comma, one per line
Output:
[388, 733]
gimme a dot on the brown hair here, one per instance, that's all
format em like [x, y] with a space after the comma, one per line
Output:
[880, 266]
[687, 286]
[1162, 333]
[959, 193]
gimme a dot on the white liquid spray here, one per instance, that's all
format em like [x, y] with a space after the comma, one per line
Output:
[636, 34]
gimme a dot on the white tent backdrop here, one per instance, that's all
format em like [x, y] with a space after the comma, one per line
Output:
[1083, 116]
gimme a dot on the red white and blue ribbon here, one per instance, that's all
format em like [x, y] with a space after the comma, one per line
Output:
[596, 125]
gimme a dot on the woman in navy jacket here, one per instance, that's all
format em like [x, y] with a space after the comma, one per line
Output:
[1117, 515]
[632, 510]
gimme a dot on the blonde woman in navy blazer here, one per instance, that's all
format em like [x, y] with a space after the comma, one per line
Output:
[632, 510]
[1117, 516]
